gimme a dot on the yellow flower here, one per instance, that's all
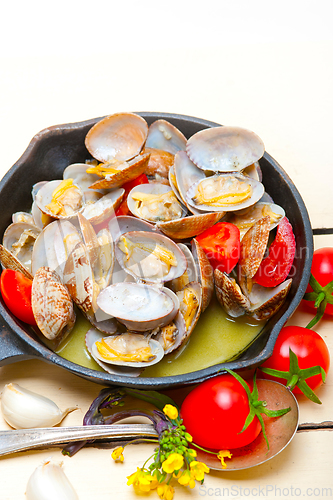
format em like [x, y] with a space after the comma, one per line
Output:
[198, 470]
[117, 454]
[222, 455]
[170, 411]
[142, 481]
[191, 453]
[185, 479]
[165, 491]
[175, 461]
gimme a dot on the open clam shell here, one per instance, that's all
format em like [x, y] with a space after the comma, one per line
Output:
[221, 192]
[252, 250]
[190, 274]
[190, 300]
[19, 238]
[78, 277]
[155, 203]
[122, 173]
[129, 341]
[120, 136]
[188, 227]
[186, 174]
[265, 302]
[159, 165]
[138, 306]
[72, 203]
[224, 149]
[93, 336]
[8, 261]
[244, 219]
[53, 246]
[104, 208]
[230, 296]
[163, 135]
[205, 273]
[149, 256]
[171, 335]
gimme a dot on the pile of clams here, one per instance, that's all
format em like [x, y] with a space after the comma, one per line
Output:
[142, 280]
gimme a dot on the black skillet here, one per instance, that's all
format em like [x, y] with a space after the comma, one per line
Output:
[47, 155]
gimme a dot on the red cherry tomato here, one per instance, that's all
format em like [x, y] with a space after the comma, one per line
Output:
[214, 414]
[275, 268]
[308, 346]
[221, 244]
[322, 271]
[128, 186]
[16, 293]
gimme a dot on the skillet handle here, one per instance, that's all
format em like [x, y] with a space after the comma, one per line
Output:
[12, 348]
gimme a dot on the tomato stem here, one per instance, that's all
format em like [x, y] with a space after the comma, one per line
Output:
[257, 407]
[321, 295]
[297, 376]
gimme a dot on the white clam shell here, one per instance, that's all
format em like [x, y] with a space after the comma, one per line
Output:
[186, 174]
[120, 136]
[146, 266]
[257, 192]
[93, 335]
[19, 239]
[156, 209]
[139, 307]
[44, 198]
[163, 135]
[224, 149]
[156, 349]
[104, 208]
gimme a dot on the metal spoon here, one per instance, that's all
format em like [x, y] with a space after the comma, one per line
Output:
[25, 439]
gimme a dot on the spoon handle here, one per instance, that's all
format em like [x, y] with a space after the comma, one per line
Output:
[26, 439]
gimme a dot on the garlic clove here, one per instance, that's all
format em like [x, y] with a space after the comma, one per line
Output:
[49, 482]
[24, 409]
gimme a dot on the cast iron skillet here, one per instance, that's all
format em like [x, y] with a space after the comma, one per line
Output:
[53, 149]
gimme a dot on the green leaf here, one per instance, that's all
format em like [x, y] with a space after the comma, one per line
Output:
[153, 397]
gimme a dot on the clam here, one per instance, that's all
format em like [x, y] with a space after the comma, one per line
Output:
[128, 349]
[225, 192]
[229, 295]
[53, 246]
[163, 135]
[23, 217]
[190, 300]
[120, 136]
[171, 336]
[224, 149]
[154, 203]
[52, 305]
[190, 274]
[92, 336]
[8, 261]
[252, 250]
[138, 306]
[188, 227]
[104, 208]
[114, 174]
[78, 277]
[186, 175]
[265, 302]
[60, 199]
[19, 238]
[78, 172]
[244, 219]
[159, 165]
[125, 223]
[149, 256]
[205, 273]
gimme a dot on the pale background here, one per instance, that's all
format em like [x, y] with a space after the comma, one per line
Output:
[263, 65]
